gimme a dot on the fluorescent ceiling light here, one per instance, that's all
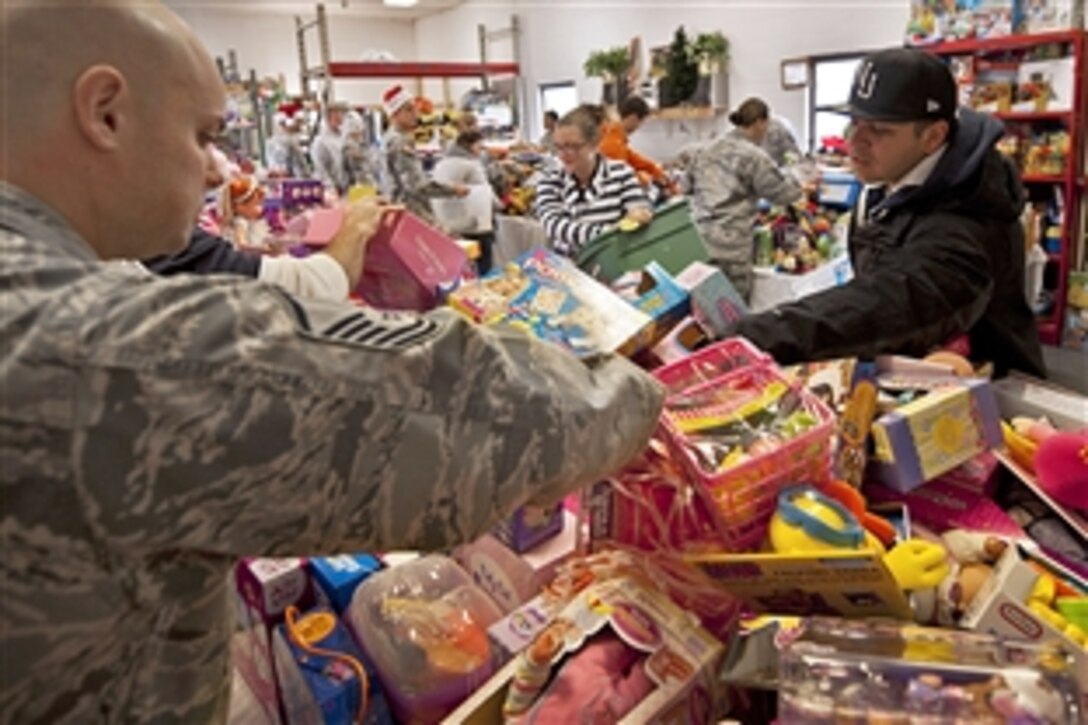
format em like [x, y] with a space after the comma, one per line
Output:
[400, 3]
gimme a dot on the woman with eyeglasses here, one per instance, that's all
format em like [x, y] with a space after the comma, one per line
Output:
[589, 194]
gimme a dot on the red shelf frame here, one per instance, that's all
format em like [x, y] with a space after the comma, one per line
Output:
[1030, 116]
[420, 70]
[1050, 328]
[1007, 42]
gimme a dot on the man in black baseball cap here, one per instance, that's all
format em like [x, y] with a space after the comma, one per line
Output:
[936, 242]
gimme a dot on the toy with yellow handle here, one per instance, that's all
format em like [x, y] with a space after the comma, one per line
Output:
[809, 521]
[1021, 448]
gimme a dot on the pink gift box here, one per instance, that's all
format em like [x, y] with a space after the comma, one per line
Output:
[941, 505]
[407, 262]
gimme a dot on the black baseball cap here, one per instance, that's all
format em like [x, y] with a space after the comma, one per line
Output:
[901, 84]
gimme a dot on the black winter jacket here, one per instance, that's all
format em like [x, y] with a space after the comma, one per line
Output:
[206, 254]
[933, 262]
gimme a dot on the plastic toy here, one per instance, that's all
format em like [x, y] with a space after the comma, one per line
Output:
[1061, 465]
[241, 211]
[810, 521]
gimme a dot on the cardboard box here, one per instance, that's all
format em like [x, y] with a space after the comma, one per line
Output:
[512, 580]
[321, 689]
[1022, 395]
[848, 584]
[771, 288]
[337, 577]
[408, 262]
[655, 292]
[549, 297]
[934, 434]
[684, 339]
[265, 588]
[715, 303]
[681, 661]
[530, 526]
[1000, 608]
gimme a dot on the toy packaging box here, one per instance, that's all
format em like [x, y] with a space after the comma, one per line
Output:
[655, 292]
[530, 526]
[934, 434]
[408, 262]
[1008, 605]
[1021, 395]
[674, 660]
[337, 577]
[943, 505]
[849, 584]
[715, 303]
[549, 297]
[843, 671]
[511, 579]
[265, 589]
[323, 682]
[686, 338]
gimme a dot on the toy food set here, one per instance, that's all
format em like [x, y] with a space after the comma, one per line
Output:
[511, 579]
[337, 577]
[423, 625]
[529, 526]
[934, 433]
[408, 262]
[620, 651]
[837, 671]
[715, 302]
[743, 436]
[265, 589]
[325, 680]
[550, 298]
[671, 239]
[1024, 598]
[655, 292]
[826, 553]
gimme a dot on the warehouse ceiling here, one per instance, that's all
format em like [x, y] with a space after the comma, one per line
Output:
[355, 8]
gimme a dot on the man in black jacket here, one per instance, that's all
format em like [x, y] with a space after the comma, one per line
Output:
[936, 243]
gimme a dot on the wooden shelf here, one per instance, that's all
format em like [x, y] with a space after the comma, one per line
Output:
[1033, 115]
[420, 70]
[688, 113]
[1007, 42]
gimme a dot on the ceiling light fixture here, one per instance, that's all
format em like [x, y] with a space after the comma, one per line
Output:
[400, 3]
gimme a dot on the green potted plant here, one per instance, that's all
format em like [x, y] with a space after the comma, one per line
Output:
[610, 66]
[681, 72]
[712, 51]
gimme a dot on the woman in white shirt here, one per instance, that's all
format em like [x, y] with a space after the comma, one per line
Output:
[462, 165]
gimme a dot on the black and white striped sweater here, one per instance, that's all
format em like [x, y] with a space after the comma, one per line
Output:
[572, 215]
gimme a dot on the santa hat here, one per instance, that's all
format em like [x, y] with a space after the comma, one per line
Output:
[395, 99]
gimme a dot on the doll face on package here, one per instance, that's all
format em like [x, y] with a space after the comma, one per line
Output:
[447, 637]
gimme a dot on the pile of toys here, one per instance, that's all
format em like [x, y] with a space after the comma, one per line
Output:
[799, 238]
[847, 541]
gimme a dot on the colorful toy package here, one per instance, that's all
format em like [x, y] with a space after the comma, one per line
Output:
[549, 297]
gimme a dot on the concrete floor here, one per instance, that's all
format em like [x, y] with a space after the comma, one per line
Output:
[1067, 368]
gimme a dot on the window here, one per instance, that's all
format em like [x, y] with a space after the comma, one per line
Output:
[558, 97]
[830, 87]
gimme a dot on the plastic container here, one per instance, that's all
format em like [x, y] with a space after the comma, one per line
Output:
[423, 625]
[840, 671]
[742, 497]
[710, 363]
[671, 239]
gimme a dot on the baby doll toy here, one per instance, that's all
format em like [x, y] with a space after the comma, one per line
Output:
[241, 211]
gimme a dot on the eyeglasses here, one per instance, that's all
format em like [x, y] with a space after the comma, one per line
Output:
[570, 148]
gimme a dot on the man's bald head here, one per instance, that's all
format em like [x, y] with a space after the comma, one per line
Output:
[83, 85]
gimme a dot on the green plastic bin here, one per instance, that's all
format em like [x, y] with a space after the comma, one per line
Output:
[671, 240]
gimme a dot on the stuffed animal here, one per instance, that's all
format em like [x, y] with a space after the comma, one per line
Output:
[1061, 465]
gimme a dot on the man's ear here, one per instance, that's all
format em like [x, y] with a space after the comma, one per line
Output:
[935, 135]
[101, 97]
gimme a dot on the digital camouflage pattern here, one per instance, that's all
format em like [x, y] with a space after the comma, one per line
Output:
[726, 179]
[407, 181]
[780, 144]
[154, 430]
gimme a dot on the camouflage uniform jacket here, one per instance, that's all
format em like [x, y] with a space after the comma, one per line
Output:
[780, 144]
[726, 180]
[153, 430]
[407, 181]
[327, 155]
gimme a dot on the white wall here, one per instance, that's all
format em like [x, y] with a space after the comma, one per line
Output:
[559, 35]
[266, 43]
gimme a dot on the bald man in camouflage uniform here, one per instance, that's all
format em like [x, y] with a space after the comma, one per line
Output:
[726, 179]
[152, 431]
